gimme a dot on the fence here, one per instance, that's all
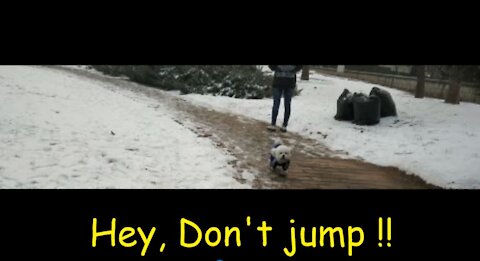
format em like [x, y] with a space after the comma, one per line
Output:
[469, 92]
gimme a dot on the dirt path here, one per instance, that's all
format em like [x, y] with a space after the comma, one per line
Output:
[313, 167]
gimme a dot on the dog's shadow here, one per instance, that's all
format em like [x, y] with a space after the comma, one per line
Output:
[277, 175]
[278, 178]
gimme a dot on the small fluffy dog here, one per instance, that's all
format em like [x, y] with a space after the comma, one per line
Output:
[280, 156]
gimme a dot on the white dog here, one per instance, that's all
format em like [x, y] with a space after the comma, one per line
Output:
[280, 155]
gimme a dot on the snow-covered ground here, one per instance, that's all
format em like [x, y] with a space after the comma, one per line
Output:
[58, 130]
[62, 131]
[434, 140]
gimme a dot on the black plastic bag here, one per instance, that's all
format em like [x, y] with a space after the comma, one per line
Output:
[366, 109]
[387, 106]
[344, 106]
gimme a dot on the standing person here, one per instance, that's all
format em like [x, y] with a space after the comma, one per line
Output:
[284, 82]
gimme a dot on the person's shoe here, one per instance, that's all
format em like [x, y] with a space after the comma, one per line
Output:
[271, 128]
[283, 129]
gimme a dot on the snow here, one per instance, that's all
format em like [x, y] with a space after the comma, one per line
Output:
[58, 130]
[437, 141]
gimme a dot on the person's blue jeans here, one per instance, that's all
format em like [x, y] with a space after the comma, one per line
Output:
[287, 93]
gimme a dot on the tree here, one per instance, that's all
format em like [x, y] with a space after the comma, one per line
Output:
[305, 73]
[420, 88]
[455, 77]
[458, 74]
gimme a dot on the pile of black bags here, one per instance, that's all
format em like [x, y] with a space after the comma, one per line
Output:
[363, 109]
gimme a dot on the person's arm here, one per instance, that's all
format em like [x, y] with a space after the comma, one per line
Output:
[273, 67]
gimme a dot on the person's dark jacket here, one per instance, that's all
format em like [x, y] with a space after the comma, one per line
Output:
[285, 75]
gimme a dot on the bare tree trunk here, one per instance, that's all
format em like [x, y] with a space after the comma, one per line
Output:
[453, 95]
[305, 73]
[420, 89]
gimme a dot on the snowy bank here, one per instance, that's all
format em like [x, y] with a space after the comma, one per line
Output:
[58, 130]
